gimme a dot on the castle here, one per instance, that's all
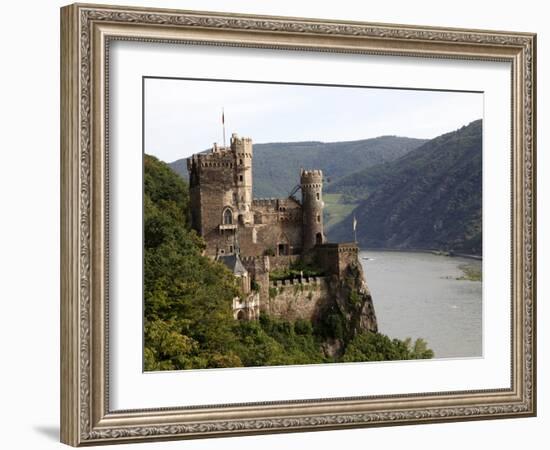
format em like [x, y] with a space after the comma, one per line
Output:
[254, 237]
[230, 220]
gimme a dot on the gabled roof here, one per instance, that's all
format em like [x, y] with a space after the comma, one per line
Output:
[233, 263]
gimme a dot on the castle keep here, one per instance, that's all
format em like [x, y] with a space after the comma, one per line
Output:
[254, 237]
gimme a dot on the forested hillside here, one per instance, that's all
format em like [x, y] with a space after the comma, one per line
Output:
[429, 198]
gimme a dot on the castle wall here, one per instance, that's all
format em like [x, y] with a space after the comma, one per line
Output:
[335, 258]
[297, 299]
[280, 238]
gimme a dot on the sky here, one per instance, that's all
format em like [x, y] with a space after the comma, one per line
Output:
[183, 117]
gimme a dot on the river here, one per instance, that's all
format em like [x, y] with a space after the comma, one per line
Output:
[419, 295]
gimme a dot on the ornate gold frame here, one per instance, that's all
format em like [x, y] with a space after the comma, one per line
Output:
[86, 31]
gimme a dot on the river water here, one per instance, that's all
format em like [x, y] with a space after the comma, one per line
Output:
[418, 295]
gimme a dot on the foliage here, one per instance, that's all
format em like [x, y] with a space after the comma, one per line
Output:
[472, 272]
[332, 325]
[296, 270]
[355, 299]
[418, 350]
[187, 297]
[379, 347]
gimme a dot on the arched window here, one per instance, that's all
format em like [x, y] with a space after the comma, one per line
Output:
[228, 217]
[318, 238]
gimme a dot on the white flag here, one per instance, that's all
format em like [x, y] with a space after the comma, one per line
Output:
[354, 223]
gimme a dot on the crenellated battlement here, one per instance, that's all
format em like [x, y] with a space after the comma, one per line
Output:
[340, 247]
[305, 281]
[309, 177]
[266, 202]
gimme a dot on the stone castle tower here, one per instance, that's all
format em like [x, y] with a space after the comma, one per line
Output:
[220, 187]
[311, 182]
[242, 153]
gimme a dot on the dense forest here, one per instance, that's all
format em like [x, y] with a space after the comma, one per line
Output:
[429, 198]
[188, 322]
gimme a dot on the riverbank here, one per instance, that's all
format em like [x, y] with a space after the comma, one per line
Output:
[432, 251]
[471, 272]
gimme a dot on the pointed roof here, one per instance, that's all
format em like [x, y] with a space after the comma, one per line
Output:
[233, 263]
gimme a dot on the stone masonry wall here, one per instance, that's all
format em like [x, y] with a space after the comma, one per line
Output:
[297, 299]
[335, 258]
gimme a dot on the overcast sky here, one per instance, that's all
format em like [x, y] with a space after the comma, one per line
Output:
[183, 117]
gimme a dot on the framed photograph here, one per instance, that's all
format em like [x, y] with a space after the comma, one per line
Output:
[275, 224]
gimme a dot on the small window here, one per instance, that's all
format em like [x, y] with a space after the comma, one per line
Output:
[230, 249]
[318, 196]
[241, 162]
[318, 218]
[240, 178]
[228, 217]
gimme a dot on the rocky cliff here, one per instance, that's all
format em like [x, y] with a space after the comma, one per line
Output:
[348, 311]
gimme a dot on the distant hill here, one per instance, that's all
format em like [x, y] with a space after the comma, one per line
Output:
[428, 198]
[276, 168]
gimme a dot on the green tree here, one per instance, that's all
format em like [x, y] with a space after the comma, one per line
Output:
[185, 293]
[379, 347]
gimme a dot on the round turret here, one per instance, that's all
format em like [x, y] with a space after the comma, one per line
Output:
[311, 182]
[242, 154]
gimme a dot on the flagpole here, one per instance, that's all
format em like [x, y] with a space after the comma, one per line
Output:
[223, 126]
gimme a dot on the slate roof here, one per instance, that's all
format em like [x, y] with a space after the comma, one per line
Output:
[233, 263]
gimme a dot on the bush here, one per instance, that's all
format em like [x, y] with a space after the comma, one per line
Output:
[303, 327]
[379, 347]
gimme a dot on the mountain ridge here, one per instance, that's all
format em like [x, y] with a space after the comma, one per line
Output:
[428, 198]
